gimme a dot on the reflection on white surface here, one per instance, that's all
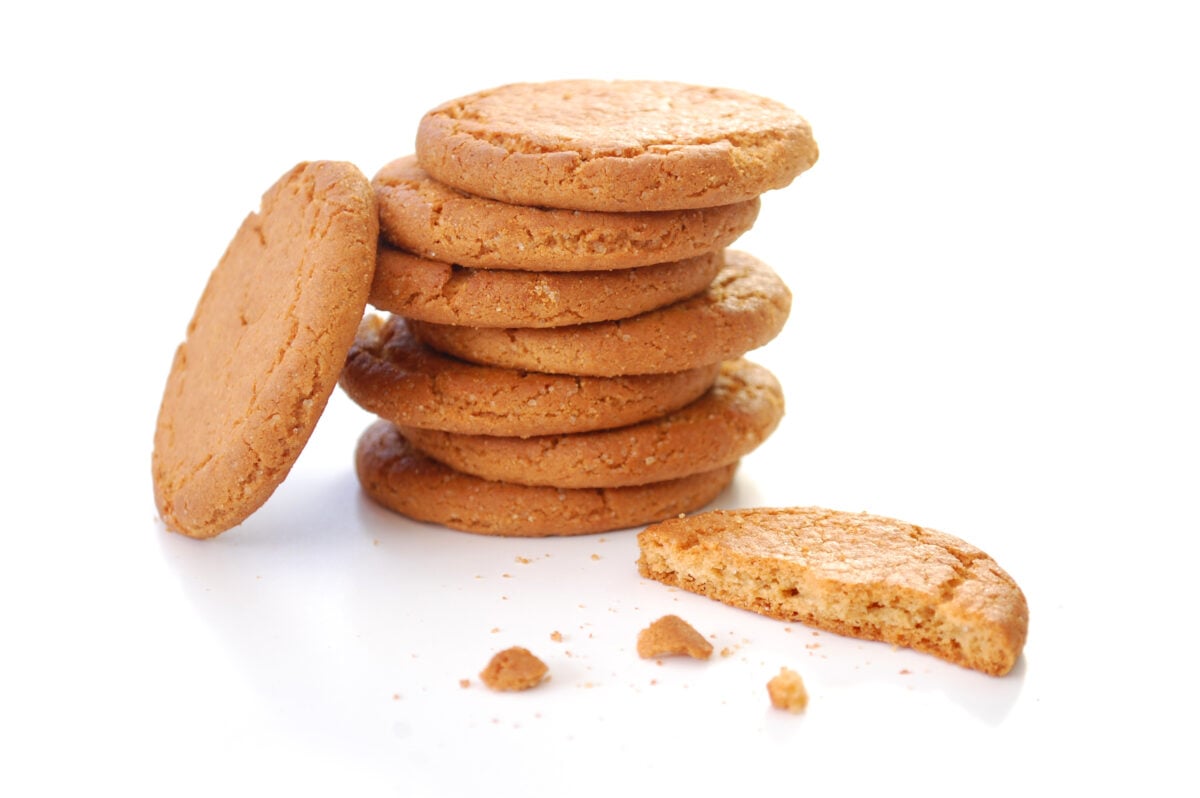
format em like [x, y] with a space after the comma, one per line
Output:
[354, 627]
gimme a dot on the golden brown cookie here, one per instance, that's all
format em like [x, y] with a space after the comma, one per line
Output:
[400, 379]
[614, 146]
[398, 477]
[854, 574]
[264, 348]
[425, 217]
[430, 290]
[744, 308]
[742, 408]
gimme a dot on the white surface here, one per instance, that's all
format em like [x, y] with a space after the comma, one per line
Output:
[994, 334]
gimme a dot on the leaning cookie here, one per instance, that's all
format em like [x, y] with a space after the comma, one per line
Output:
[400, 379]
[742, 309]
[430, 219]
[264, 348]
[429, 290]
[396, 476]
[737, 414]
[614, 146]
[854, 574]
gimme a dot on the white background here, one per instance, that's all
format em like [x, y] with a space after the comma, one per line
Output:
[994, 334]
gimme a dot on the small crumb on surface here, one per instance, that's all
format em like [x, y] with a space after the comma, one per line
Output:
[464, 683]
[513, 669]
[671, 635]
[787, 691]
[556, 636]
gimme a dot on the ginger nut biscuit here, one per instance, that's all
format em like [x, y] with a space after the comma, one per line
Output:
[742, 408]
[264, 348]
[855, 574]
[744, 308]
[615, 146]
[391, 374]
[427, 218]
[429, 290]
[400, 478]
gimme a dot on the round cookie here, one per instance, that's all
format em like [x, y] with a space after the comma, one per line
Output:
[428, 218]
[614, 146]
[742, 408]
[396, 476]
[744, 308]
[442, 293]
[393, 375]
[264, 348]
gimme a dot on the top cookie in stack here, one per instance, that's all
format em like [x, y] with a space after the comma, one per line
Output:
[623, 146]
[565, 354]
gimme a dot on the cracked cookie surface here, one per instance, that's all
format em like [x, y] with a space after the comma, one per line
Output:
[442, 293]
[264, 348]
[615, 146]
[742, 309]
[728, 422]
[400, 379]
[430, 219]
[397, 476]
[855, 574]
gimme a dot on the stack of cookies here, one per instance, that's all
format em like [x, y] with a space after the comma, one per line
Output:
[563, 353]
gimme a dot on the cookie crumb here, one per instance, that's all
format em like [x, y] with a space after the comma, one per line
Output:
[464, 683]
[671, 635]
[513, 669]
[787, 691]
[556, 636]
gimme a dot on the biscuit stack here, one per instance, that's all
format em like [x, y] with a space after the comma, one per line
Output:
[563, 353]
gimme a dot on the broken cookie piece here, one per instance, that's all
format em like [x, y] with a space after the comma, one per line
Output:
[787, 691]
[856, 574]
[671, 635]
[513, 669]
